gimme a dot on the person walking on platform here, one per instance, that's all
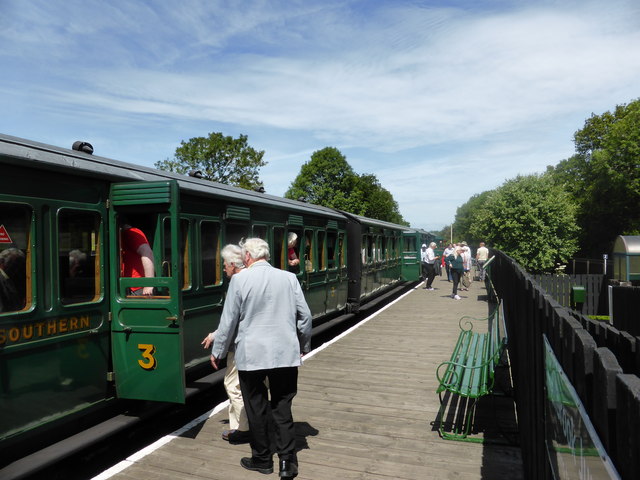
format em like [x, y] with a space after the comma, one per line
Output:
[465, 280]
[430, 260]
[482, 255]
[238, 431]
[456, 268]
[447, 251]
[267, 309]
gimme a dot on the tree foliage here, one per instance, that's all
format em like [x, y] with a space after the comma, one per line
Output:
[604, 177]
[220, 158]
[466, 217]
[378, 201]
[532, 219]
[327, 179]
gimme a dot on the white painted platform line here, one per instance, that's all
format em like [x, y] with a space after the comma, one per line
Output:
[159, 443]
[167, 438]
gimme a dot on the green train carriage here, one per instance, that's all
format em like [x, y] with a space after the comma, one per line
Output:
[77, 342]
[413, 239]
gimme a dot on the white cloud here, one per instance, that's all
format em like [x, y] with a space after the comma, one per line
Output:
[405, 84]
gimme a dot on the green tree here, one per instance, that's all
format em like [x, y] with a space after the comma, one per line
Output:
[328, 180]
[604, 177]
[532, 219]
[220, 158]
[466, 217]
[378, 201]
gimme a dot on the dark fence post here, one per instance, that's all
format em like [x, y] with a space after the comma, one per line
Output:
[627, 457]
[585, 346]
[627, 353]
[605, 369]
[626, 309]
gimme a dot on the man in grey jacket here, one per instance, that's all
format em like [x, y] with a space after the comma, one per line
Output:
[267, 308]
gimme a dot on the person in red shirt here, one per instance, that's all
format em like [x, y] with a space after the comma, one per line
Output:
[137, 258]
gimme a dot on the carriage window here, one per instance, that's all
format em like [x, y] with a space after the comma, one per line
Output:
[321, 251]
[185, 255]
[342, 258]
[409, 244]
[331, 249]
[260, 231]
[277, 257]
[15, 257]
[210, 246]
[371, 249]
[363, 247]
[236, 232]
[384, 251]
[79, 256]
[375, 249]
[308, 251]
[295, 255]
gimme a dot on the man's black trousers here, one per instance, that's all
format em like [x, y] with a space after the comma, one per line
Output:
[283, 386]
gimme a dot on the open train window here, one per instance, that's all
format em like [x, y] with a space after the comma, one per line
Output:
[185, 255]
[342, 246]
[394, 247]
[15, 257]
[277, 254]
[410, 244]
[78, 256]
[309, 252]
[294, 252]
[384, 252]
[331, 249]
[322, 259]
[236, 232]
[260, 231]
[210, 256]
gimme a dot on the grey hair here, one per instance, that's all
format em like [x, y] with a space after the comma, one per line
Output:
[433, 244]
[232, 254]
[256, 247]
[291, 240]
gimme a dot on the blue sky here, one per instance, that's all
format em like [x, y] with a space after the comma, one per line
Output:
[439, 99]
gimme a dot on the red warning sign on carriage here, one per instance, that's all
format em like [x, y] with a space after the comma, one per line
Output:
[4, 235]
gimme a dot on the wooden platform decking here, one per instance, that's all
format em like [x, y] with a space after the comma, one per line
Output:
[366, 409]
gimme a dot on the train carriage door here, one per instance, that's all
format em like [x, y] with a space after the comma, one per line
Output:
[410, 257]
[146, 318]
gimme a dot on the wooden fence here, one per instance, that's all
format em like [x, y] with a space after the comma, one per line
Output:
[601, 362]
[559, 287]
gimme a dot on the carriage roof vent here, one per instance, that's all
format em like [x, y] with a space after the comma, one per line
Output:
[80, 146]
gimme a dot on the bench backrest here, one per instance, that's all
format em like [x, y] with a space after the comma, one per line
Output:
[497, 335]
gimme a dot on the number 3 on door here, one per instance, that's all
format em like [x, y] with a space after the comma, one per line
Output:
[149, 362]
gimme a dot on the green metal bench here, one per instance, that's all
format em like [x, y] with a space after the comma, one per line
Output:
[470, 372]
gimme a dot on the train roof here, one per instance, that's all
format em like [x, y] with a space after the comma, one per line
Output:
[66, 160]
[16, 150]
[375, 222]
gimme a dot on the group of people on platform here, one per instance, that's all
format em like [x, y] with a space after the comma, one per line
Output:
[456, 259]
[265, 329]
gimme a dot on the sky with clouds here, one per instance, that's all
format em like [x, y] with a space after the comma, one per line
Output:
[439, 99]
